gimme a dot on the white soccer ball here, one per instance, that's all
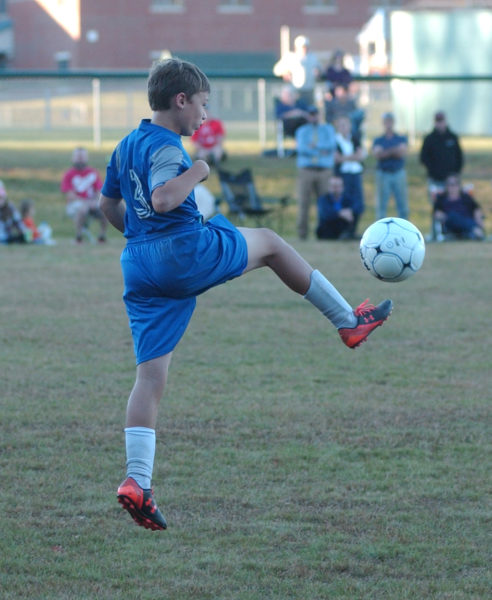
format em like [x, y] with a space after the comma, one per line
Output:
[392, 249]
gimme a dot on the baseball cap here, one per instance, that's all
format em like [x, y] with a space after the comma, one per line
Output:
[388, 115]
[439, 116]
[313, 109]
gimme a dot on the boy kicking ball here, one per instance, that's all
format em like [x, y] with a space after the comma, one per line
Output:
[171, 257]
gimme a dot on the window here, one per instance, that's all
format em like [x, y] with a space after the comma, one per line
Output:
[3, 7]
[313, 7]
[62, 59]
[167, 6]
[387, 4]
[235, 6]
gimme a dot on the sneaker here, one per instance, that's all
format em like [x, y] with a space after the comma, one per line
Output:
[141, 505]
[368, 318]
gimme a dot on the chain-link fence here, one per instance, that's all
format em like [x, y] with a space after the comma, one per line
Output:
[118, 101]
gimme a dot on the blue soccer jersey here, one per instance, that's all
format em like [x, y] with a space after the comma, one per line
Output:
[172, 257]
[145, 159]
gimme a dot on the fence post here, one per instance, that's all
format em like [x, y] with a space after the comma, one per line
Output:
[96, 112]
[47, 109]
[262, 112]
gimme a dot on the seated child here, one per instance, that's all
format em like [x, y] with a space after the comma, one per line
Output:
[12, 229]
[37, 234]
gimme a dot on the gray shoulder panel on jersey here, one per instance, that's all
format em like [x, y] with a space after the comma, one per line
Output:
[165, 164]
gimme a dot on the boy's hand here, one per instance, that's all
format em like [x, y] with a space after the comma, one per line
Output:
[201, 167]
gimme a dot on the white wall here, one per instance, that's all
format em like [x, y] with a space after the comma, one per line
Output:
[436, 43]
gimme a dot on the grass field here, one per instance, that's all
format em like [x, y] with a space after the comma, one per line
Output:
[288, 466]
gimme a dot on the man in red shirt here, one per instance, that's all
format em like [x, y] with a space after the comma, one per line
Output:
[81, 185]
[208, 141]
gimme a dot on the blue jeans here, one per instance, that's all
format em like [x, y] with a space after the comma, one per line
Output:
[460, 225]
[388, 184]
[352, 185]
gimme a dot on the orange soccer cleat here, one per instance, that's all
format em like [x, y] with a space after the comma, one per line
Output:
[368, 318]
[141, 505]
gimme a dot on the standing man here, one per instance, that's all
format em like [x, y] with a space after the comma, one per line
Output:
[390, 150]
[316, 144]
[441, 154]
[300, 69]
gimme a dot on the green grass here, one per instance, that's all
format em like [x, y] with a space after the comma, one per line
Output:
[288, 466]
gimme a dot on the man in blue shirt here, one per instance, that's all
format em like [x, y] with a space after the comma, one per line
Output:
[390, 149]
[316, 144]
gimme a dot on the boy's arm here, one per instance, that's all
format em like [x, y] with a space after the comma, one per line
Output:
[174, 192]
[114, 211]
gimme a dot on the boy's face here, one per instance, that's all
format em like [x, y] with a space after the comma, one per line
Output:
[194, 113]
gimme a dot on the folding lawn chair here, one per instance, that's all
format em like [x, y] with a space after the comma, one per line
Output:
[239, 192]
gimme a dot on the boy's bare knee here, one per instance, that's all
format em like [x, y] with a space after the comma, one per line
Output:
[271, 240]
[153, 374]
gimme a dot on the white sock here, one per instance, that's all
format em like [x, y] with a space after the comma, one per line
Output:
[140, 451]
[330, 302]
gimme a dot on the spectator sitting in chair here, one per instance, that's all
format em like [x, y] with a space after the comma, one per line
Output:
[458, 212]
[208, 141]
[335, 213]
[81, 185]
[291, 110]
[12, 229]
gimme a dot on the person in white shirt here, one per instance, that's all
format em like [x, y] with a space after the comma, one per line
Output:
[348, 165]
[300, 68]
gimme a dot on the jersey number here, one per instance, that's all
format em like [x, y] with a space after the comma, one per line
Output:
[142, 207]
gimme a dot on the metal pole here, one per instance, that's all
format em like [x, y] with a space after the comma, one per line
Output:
[96, 112]
[47, 109]
[284, 40]
[262, 112]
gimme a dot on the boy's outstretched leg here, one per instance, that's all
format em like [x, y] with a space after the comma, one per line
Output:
[135, 493]
[266, 248]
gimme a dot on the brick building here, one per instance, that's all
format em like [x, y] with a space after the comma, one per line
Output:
[217, 34]
[227, 35]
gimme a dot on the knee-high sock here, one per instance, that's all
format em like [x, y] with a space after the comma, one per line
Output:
[330, 302]
[140, 452]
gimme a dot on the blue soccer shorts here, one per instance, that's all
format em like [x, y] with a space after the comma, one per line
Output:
[163, 276]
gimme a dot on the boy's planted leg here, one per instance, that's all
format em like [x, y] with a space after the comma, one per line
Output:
[135, 493]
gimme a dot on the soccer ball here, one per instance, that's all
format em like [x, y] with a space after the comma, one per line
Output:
[392, 249]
